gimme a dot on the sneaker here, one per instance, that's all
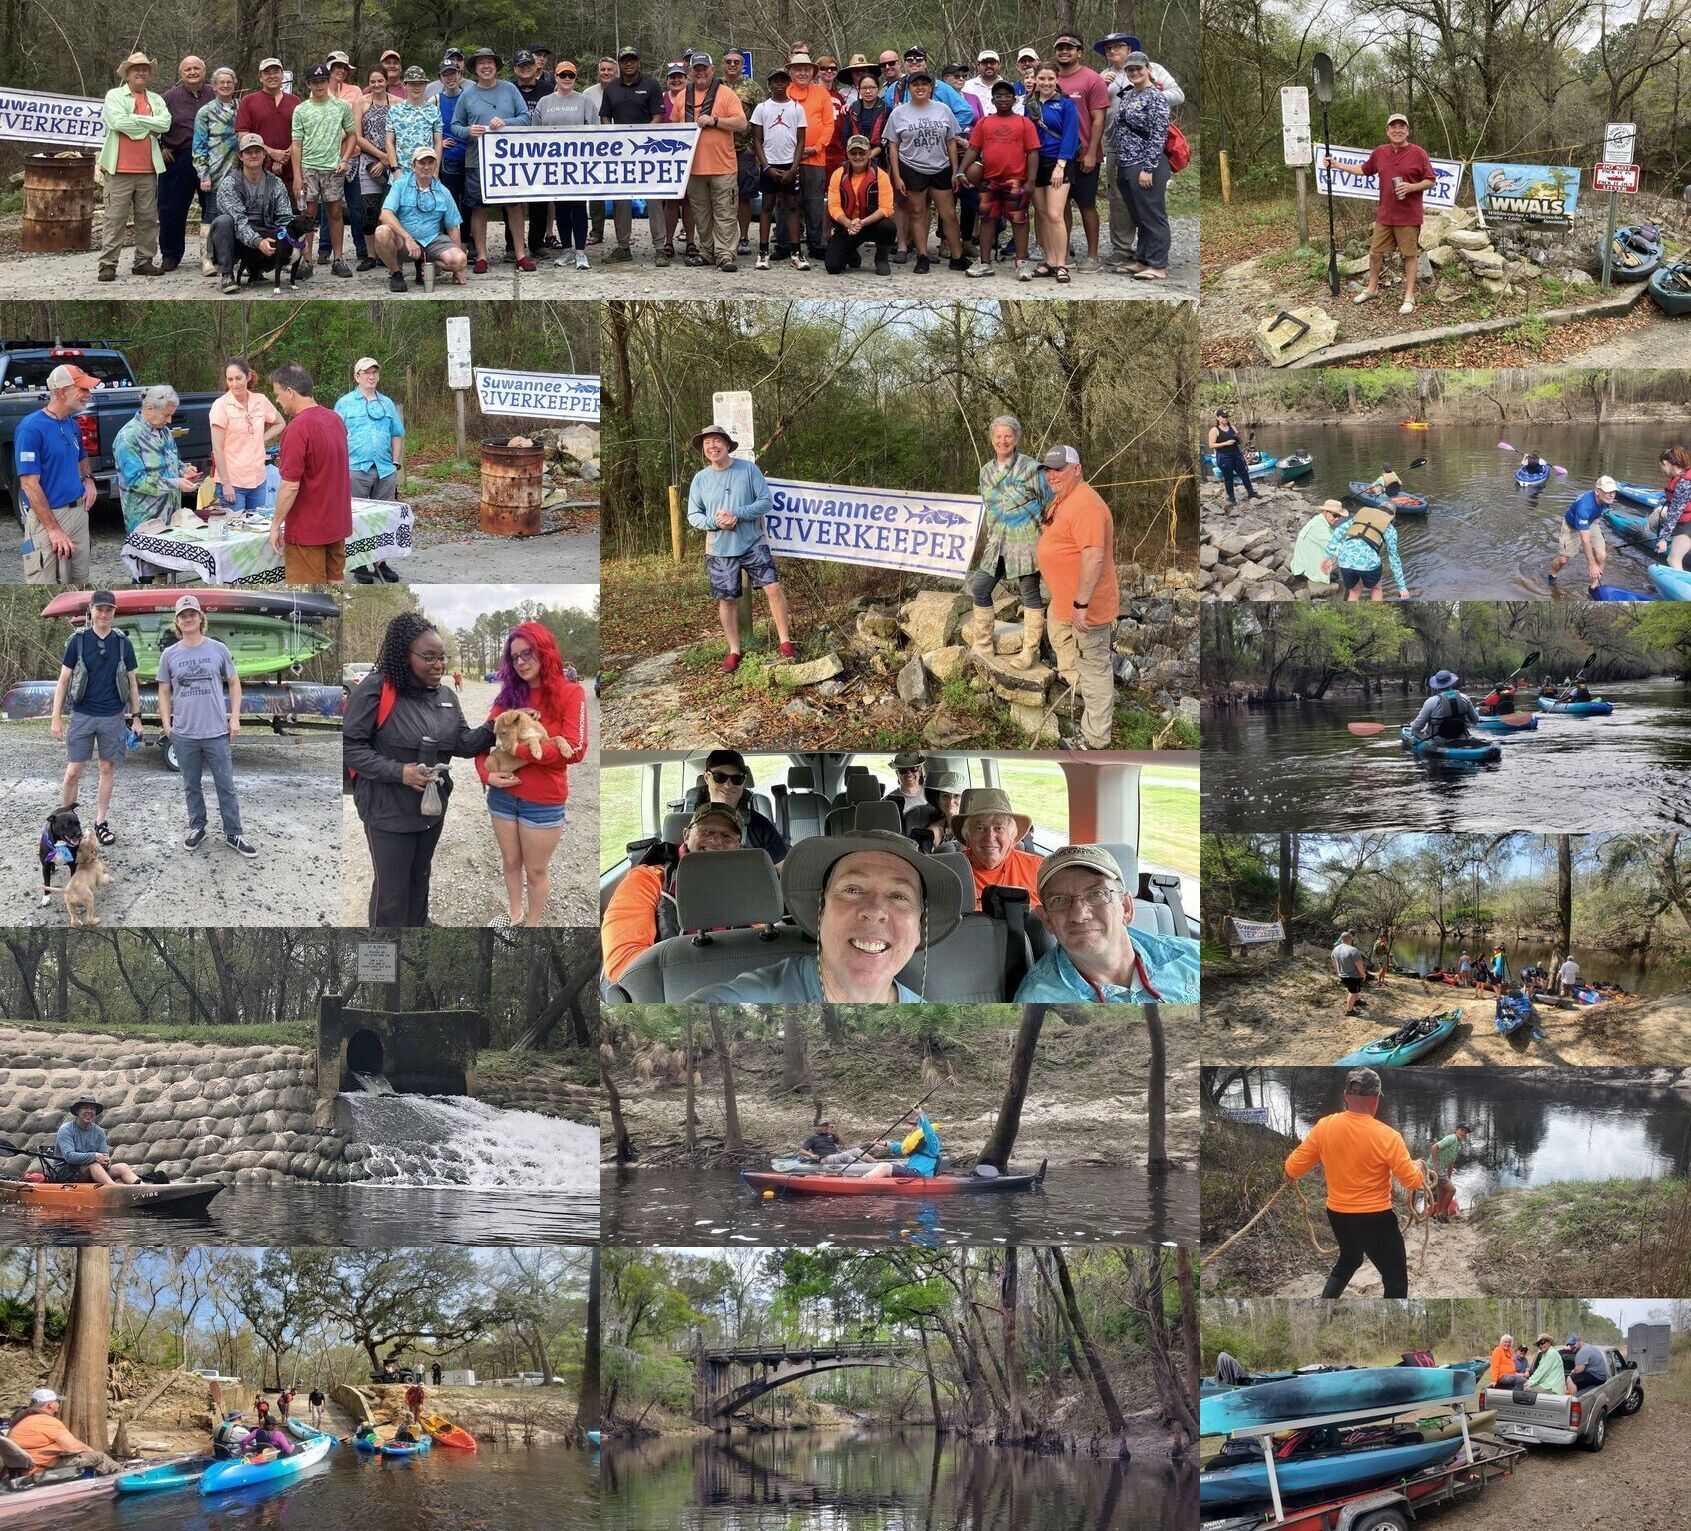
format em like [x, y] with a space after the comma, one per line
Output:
[208, 267]
[1023, 274]
[167, 266]
[105, 274]
[730, 663]
[745, 246]
[144, 268]
[396, 282]
[526, 263]
[980, 268]
[195, 838]
[368, 263]
[340, 268]
[728, 265]
[581, 262]
[480, 267]
[789, 651]
[899, 257]
[242, 844]
[620, 253]
[799, 262]
[762, 260]
[959, 263]
[883, 266]
[663, 257]
[922, 266]
[229, 283]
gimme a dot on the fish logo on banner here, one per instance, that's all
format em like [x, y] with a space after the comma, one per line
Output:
[1544, 194]
[919, 533]
[587, 164]
[559, 396]
[39, 117]
[1440, 197]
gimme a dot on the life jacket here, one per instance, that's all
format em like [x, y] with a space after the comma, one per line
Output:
[851, 124]
[1369, 525]
[1390, 483]
[859, 201]
[692, 105]
[1685, 517]
[1448, 720]
[79, 674]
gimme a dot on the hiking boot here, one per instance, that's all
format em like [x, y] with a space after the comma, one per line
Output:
[396, 282]
[883, 267]
[208, 267]
[922, 266]
[367, 263]
[167, 266]
[620, 253]
[195, 838]
[340, 268]
[144, 268]
[727, 265]
[106, 274]
[302, 273]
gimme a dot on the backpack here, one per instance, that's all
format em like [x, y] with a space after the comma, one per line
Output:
[384, 709]
[1178, 150]
[79, 674]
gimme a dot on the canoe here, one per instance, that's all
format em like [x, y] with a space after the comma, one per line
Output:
[1245, 1480]
[18, 1502]
[1527, 479]
[1387, 1389]
[903, 1185]
[1633, 255]
[1595, 708]
[1496, 725]
[1670, 288]
[244, 1473]
[1264, 465]
[82, 1196]
[1673, 584]
[1513, 1012]
[284, 699]
[1296, 465]
[1400, 504]
[1406, 1044]
[303, 603]
[447, 1433]
[177, 1473]
[1640, 494]
[1439, 749]
[404, 1448]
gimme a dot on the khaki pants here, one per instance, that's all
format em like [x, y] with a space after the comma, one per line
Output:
[43, 566]
[98, 1460]
[324, 564]
[1083, 662]
[130, 196]
[1124, 237]
[714, 199]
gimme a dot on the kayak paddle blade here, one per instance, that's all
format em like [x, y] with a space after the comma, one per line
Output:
[1503, 446]
[1365, 730]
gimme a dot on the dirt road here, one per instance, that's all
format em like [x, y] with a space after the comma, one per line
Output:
[468, 887]
[287, 784]
[1440, 1266]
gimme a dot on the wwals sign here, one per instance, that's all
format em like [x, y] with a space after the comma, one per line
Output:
[558, 396]
[37, 117]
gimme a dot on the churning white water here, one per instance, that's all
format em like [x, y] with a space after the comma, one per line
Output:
[451, 1140]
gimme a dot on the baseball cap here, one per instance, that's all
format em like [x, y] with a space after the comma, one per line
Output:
[188, 602]
[988, 53]
[915, 50]
[628, 53]
[727, 758]
[1022, 53]
[337, 57]
[269, 63]
[702, 58]
[523, 56]
[363, 362]
[1607, 484]
[1066, 40]
[1362, 1082]
[1397, 117]
[44, 1395]
[1094, 858]
[423, 151]
[248, 141]
[67, 376]
[780, 72]
[414, 75]
[1061, 457]
[675, 68]
[857, 141]
[102, 598]
[390, 53]
[920, 74]
[715, 811]
[317, 72]
[449, 63]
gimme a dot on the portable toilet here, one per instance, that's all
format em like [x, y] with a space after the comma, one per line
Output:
[1647, 1344]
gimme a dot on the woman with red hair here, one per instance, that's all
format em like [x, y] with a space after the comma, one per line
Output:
[527, 806]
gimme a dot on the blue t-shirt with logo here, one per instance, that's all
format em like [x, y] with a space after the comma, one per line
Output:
[1585, 512]
[51, 449]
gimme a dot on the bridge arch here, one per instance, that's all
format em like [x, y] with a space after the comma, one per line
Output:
[720, 1395]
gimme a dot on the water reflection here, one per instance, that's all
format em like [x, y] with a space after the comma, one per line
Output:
[1660, 974]
[862, 1480]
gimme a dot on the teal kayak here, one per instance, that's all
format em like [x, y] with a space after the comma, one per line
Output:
[1444, 749]
[1406, 1044]
[404, 1448]
[592, 1436]
[1633, 525]
[178, 1473]
[1595, 708]
[1496, 725]
[244, 1473]
[1674, 584]
[1402, 503]
[1381, 1390]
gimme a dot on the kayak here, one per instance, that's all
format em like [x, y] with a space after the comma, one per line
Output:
[1634, 253]
[303, 603]
[1406, 1044]
[15, 1502]
[1619, 593]
[1260, 466]
[1633, 525]
[1674, 584]
[1527, 479]
[1639, 494]
[84, 1196]
[447, 1433]
[404, 1448]
[1440, 976]
[1244, 1478]
[1443, 749]
[1310, 1395]
[1296, 465]
[592, 1436]
[1513, 1012]
[1496, 725]
[1402, 504]
[1670, 286]
[1595, 708]
[177, 1473]
[902, 1185]
[245, 1472]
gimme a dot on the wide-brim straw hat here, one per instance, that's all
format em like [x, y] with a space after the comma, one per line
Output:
[988, 800]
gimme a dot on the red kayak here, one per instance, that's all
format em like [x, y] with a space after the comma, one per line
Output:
[897, 1185]
[304, 603]
[84, 1196]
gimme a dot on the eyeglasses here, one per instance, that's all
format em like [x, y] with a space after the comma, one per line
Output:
[519, 655]
[1094, 898]
[728, 778]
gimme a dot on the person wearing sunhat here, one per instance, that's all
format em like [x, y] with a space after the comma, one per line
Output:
[990, 830]
[1405, 175]
[40, 1432]
[1549, 1374]
[1361, 1156]
[1447, 713]
[98, 676]
[869, 900]
[910, 769]
[818, 104]
[1076, 557]
[1099, 958]
[1309, 553]
[54, 476]
[82, 1145]
[727, 501]
[929, 823]
[135, 119]
[489, 105]
[728, 781]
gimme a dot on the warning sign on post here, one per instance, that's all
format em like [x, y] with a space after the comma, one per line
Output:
[1615, 178]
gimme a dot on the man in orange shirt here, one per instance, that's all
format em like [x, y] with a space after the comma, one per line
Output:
[636, 916]
[43, 1435]
[988, 829]
[1360, 1156]
[1076, 557]
[818, 106]
[713, 187]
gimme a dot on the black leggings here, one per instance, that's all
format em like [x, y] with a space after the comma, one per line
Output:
[1371, 1236]
[984, 581]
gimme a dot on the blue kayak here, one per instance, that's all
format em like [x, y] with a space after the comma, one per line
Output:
[1633, 525]
[1527, 479]
[1401, 503]
[1406, 1044]
[1638, 494]
[1310, 1395]
[175, 1474]
[1635, 252]
[1513, 1012]
[1245, 1480]
[1442, 749]
[1595, 708]
[1496, 725]
[404, 1448]
[592, 1436]
[1673, 584]
[1619, 593]
[1261, 467]
[245, 1472]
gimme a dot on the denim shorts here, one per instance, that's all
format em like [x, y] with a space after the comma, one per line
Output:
[503, 804]
[724, 570]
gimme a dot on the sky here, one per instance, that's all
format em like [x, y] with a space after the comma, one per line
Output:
[1627, 1311]
[458, 606]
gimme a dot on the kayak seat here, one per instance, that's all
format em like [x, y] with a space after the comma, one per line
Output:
[731, 913]
[14, 1459]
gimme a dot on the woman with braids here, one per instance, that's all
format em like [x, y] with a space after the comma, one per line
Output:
[528, 815]
[402, 726]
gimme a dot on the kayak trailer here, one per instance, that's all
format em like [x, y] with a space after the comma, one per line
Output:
[1390, 1508]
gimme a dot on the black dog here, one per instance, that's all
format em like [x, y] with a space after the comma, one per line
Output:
[63, 828]
[290, 241]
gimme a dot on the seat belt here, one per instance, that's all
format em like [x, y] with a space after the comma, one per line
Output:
[1011, 905]
[778, 791]
[1164, 888]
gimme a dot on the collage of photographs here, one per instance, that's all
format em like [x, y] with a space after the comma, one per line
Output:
[966, 988]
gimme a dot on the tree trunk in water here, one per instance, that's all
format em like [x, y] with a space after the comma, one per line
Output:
[38, 1328]
[79, 1374]
[1189, 1314]
[625, 1144]
[587, 1408]
[1010, 1296]
[928, 1372]
[1288, 892]
[731, 1143]
[1100, 1381]
[1565, 895]
[1156, 1090]
[692, 1125]
[1145, 1270]
[1003, 1139]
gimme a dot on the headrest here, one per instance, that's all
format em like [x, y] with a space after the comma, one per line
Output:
[858, 770]
[1127, 858]
[801, 779]
[675, 827]
[880, 814]
[863, 789]
[965, 874]
[735, 888]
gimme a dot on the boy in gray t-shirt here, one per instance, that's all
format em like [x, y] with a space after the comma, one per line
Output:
[201, 721]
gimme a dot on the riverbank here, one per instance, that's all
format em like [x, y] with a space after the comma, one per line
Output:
[1245, 550]
[1593, 1237]
[1266, 1008]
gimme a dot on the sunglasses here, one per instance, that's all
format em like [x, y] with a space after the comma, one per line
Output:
[728, 778]
[565, 74]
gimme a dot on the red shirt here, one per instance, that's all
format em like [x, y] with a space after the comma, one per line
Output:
[273, 121]
[1412, 164]
[547, 780]
[314, 456]
[1003, 144]
[1085, 87]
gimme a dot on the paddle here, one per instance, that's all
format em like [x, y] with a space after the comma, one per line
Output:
[1503, 446]
[1366, 730]
[881, 1136]
[1321, 72]
[1420, 462]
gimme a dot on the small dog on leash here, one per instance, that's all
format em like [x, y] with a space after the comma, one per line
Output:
[290, 249]
[61, 843]
[79, 893]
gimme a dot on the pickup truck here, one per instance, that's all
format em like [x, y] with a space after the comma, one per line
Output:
[1534, 1417]
[24, 366]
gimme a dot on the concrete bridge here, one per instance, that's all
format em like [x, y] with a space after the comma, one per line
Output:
[725, 1381]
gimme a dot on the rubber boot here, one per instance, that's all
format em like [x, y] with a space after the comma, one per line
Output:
[1033, 631]
[980, 630]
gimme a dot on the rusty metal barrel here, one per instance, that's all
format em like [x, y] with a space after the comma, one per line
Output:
[513, 482]
[58, 204]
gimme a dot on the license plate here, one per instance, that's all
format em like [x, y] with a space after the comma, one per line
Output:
[1522, 1431]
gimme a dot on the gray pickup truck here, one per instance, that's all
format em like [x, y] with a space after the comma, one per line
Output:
[1533, 1417]
[24, 366]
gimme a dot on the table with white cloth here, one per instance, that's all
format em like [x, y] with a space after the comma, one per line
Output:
[216, 555]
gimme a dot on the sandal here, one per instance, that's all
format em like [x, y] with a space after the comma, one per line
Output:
[1042, 269]
[1150, 274]
[1062, 274]
[103, 833]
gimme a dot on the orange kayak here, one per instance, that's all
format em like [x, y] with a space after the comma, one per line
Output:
[84, 1196]
[447, 1433]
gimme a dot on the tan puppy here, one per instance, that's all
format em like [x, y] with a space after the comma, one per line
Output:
[516, 730]
[78, 894]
